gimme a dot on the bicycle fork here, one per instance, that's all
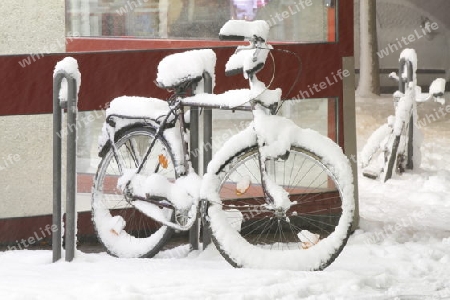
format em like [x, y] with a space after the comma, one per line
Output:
[276, 197]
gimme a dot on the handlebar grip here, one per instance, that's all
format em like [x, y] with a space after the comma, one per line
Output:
[233, 72]
[231, 37]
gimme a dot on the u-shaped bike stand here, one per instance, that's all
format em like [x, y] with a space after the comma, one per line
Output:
[71, 106]
[70, 224]
[194, 232]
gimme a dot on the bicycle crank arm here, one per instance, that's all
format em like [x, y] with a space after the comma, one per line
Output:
[156, 213]
[159, 201]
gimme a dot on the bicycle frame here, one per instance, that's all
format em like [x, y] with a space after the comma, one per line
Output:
[177, 109]
[180, 99]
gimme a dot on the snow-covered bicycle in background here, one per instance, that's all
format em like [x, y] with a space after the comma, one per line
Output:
[274, 196]
[395, 146]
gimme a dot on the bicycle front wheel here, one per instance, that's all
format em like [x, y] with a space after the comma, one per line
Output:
[123, 229]
[309, 235]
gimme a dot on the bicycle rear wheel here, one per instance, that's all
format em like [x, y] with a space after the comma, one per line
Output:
[309, 235]
[374, 152]
[123, 229]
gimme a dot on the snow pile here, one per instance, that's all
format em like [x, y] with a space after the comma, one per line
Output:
[243, 184]
[277, 139]
[437, 89]
[138, 107]
[266, 96]
[411, 56]
[247, 60]
[308, 238]
[437, 86]
[235, 98]
[183, 193]
[232, 98]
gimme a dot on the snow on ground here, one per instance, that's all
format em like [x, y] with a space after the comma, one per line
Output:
[401, 251]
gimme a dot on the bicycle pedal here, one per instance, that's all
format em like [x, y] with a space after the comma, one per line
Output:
[371, 174]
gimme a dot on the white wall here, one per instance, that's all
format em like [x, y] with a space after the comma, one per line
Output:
[25, 165]
[28, 26]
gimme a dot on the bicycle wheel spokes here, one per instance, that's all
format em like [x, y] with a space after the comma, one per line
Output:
[132, 152]
[124, 230]
[316, 202]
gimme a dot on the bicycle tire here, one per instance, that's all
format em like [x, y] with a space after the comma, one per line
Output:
[327, 206]
[121, 228]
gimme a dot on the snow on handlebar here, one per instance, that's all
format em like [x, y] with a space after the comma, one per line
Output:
[241, 30]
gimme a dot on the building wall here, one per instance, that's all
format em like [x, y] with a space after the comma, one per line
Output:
[398, 19]
[28, 26]
[32, 26]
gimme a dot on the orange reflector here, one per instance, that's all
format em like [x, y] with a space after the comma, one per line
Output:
[163, 161]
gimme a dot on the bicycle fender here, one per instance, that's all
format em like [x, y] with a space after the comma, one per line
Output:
[105, 141]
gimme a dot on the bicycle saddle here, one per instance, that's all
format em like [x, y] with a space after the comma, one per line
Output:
[184, 70]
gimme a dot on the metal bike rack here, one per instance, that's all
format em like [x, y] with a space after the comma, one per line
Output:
[207, 155]
[194, 143]
[58, 106]
[207, 151]
[402, 86]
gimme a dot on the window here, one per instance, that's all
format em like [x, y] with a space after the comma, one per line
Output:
[290, 20]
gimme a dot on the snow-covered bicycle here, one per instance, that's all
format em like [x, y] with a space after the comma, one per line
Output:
[274, 196]
[394, 146]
